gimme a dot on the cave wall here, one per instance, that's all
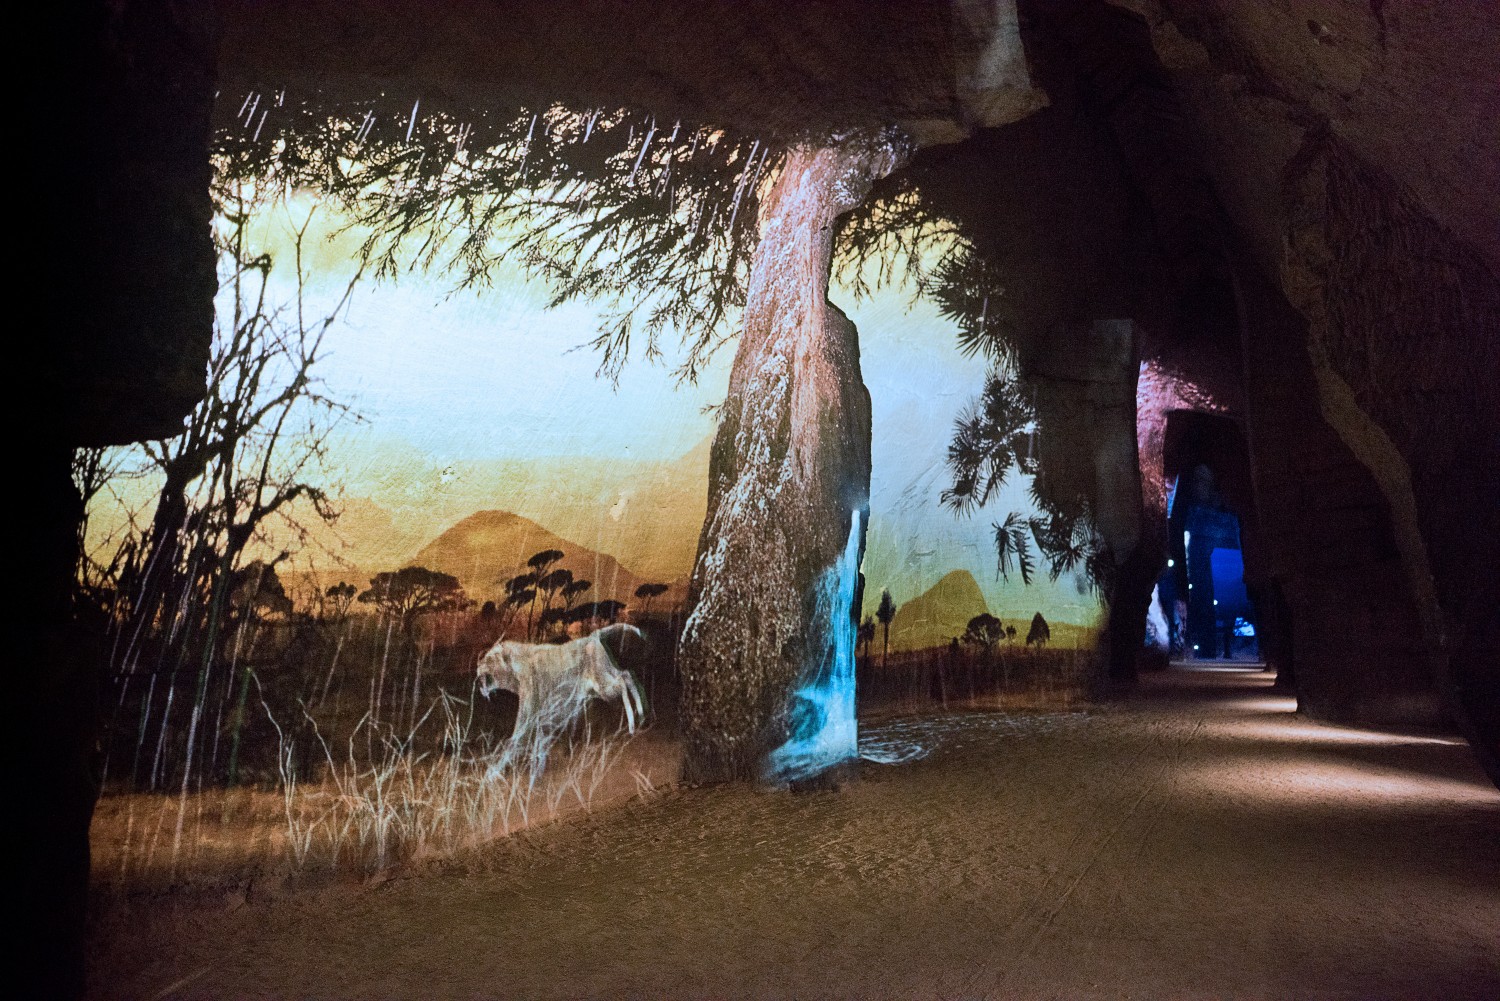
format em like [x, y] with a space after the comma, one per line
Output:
[1084, 380]
[126, 264]
[1348, 146]
[130, 216]
[1343, 143]
[1319, 256]
[1321, 148]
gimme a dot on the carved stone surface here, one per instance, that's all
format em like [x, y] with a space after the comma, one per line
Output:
[789, 469]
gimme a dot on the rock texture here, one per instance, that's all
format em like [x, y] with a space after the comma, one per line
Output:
[1347, 146]
[790, 468]
[123, 268]
[1301, 197]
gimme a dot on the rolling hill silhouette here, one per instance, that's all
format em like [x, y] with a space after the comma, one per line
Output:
[937, 615]
[489, 547]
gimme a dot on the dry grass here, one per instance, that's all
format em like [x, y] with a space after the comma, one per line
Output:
[396, 804]
[348, 784]
[1010, 678]
[376, 802]
[354, 755]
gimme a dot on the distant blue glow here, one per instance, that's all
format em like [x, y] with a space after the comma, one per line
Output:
[823, 729]
[1228, 567]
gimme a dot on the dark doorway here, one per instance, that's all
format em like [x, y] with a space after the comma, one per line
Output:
[1202, 593]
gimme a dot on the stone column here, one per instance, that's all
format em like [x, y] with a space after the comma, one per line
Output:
[775, 587]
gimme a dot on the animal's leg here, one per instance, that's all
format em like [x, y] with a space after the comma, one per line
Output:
[627, 694]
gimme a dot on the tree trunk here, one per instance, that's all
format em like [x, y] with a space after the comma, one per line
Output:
[767, 652]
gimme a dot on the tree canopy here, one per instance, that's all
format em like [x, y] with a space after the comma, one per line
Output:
[658, 221]
[655, 218]
[1039, 633]
[413, 591]
[984, 631]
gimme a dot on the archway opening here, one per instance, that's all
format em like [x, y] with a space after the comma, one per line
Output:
[1202, 595]
[1213, 602]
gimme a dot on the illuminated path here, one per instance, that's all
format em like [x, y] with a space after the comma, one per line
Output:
[1199, 840]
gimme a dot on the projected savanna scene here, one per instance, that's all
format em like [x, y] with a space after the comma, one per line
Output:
[467, 392]
[827, 499]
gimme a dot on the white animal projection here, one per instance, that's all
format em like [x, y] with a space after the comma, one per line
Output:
[554, 683]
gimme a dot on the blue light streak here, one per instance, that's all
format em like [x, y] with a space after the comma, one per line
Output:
[823, 729]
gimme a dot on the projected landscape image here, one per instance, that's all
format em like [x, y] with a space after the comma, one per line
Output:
[443, 422]
[821, 499]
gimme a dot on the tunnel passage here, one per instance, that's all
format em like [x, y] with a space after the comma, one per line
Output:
[1202, 597]
[1397, 548]
[1214, 542]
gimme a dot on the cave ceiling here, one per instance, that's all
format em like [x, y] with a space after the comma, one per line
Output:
[1058, 206]
[1399, 83]
[765, 67]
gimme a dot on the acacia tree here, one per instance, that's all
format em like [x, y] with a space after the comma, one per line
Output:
[594, 611]
[558, 583]
[540, 564]
[984, 631]
[550, 583]
[571, 590]
[520, 592]
[338, 598]
[414, 591]
[648, 593]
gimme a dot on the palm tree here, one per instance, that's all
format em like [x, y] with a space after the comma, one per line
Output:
[885, 613]
[1011, 546]
[866, 634]
[986, 444]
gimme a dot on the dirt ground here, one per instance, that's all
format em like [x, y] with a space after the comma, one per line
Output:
[1198, 839]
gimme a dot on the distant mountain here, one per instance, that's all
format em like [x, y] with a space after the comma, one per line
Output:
[619, 519]
[647, 515]
[934, 617]
[489, 547]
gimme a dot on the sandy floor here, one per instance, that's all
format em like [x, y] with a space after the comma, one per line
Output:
[1199, 840]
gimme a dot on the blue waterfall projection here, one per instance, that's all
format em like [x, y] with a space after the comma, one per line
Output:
[823, 729]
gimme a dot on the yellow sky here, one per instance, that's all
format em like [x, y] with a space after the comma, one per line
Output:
[456, 389]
